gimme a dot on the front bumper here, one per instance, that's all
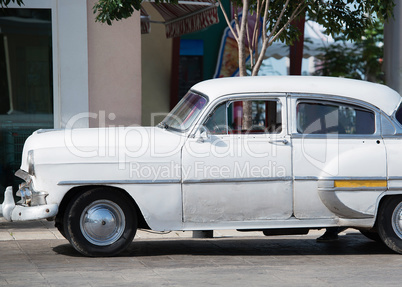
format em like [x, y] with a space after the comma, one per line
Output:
[12, 212]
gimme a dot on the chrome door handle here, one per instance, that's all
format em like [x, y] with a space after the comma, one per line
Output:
[284, 141]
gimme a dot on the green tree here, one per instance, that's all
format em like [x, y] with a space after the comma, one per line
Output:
[362, 60]
[4, 3]
[349, 17]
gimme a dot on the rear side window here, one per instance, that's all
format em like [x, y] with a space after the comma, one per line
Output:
[334, 118]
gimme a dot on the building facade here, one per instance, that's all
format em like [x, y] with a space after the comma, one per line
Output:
[59, 68]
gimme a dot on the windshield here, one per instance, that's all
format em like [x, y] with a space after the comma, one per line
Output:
[185, 112]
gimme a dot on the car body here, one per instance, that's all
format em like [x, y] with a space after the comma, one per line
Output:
[276, 154]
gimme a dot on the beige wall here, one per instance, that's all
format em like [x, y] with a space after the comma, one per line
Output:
[114, 69]
[156, 70]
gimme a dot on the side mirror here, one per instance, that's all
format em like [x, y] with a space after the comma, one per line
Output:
[202, 134]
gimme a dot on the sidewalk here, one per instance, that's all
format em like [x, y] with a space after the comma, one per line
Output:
[250, 259]
[43, 229]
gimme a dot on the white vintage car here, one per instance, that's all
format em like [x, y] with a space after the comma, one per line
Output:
[276, 154]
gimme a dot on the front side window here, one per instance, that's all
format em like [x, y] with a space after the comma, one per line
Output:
[245, 117]
[334, 118]
[185, 112]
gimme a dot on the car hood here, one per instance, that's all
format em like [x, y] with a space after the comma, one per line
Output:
[96, 145]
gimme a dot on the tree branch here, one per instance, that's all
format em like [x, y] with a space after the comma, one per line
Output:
[241, 43]
[264, 31]
[236, 19]
[267, 41]
[254, 42]
[228, 21]
[250, 48]
[279, 19]
[294, 15]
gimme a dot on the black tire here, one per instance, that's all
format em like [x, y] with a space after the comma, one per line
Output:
[390, 223]
[372, 235]
[100, 222]
[60, 227]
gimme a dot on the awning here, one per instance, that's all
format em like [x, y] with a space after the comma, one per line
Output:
[184, 17]
[145, 18]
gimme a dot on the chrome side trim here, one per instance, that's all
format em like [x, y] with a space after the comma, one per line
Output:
[234, 180]
[313, 178]
[238, 180]
[395, 178]
[100, 182]
[396, 136]
[336, 136]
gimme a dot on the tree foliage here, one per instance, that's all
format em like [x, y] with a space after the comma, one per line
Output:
[115, 10]
[362, 60]
[348, 17]
[351, 18]
[4, 3]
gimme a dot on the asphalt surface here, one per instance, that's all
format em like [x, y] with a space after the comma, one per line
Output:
[35, 254]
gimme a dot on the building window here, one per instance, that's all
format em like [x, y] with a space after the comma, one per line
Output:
[26, 83]
[191, 65]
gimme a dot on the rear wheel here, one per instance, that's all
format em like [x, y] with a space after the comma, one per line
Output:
[390, 222]
[100, 222]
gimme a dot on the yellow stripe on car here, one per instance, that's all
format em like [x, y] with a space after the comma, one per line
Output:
[360, 183]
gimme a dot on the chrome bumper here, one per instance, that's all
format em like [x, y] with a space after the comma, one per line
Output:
[12, 212]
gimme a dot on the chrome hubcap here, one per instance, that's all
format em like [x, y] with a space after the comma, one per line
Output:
[397, 220]
[102, 222]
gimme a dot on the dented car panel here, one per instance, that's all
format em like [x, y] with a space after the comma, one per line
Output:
[252, 153]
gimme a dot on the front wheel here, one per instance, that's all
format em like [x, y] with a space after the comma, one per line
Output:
[390, 222]
[100, 222]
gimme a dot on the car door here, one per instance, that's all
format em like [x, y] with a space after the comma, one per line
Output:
[241, 171]
[339, 158]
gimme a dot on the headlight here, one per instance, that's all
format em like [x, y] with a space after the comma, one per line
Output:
[31, 162]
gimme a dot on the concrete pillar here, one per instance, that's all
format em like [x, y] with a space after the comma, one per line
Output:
[392, 49]
[114, 71]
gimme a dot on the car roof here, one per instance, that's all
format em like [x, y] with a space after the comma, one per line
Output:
[378, 95]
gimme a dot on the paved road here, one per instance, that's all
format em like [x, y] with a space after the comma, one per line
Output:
[36, 255]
